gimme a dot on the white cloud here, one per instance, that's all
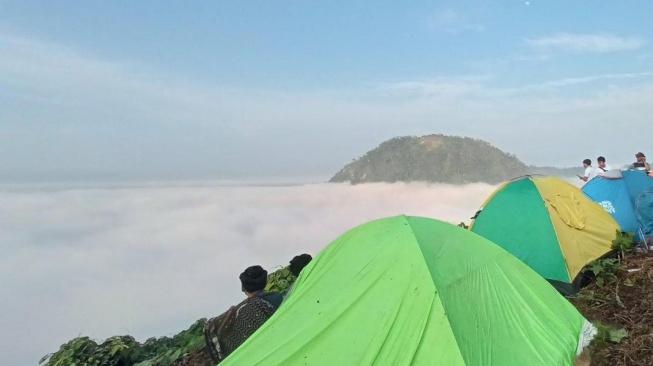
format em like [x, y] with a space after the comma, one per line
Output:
[593, 78]
[149, 261]
[61, 76]
[597, 43]
[448, 88]
[452, 21]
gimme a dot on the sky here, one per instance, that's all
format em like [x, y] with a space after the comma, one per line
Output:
[170, 91]
[149, 260]
[203, 91]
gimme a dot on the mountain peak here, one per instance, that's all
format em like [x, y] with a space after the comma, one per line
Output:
[436, 158]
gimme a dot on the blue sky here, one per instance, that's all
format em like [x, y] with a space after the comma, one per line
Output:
[186, 90]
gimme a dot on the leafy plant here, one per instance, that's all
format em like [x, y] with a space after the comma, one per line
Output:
[607, 333]
[623, 243]
[629, 282]
[604, 270]
[83, 351]
[280, 280]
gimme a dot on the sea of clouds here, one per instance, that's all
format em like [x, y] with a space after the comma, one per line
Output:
[150, 260]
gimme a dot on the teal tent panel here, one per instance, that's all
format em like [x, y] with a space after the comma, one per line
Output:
[516, 219]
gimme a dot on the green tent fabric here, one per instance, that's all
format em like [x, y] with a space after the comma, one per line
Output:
[417, 291]
[548, 224]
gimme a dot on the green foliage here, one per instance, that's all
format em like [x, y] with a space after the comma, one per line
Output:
[164, 350]
[83, 351]
[607, 333]
[280, 280]
[630, 282]
[126, 351]
[593, 297]
[604, 270]
[623, 243]
[435, 158]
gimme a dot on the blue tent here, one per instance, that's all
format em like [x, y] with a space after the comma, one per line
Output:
[628, 197]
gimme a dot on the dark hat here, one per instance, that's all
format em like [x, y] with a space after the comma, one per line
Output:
[254, 279]
[640, 155]
[298, 263]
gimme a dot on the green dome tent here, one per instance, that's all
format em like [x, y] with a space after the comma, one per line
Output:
[416, 291]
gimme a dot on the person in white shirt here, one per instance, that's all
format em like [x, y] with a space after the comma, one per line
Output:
[589, 171]
[602, 166]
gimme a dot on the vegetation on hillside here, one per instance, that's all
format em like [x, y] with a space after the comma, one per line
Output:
[126, 351]
[438, 158]
[620, 304]
[556, 172]
[183, 349]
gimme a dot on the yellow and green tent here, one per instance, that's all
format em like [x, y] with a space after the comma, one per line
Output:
[548, 224]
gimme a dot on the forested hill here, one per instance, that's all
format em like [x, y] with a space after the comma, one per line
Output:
[439, 158]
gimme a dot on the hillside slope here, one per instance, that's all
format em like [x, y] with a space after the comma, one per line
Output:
[438, 158]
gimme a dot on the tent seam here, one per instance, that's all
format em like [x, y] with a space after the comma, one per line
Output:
[419, 247]
[562, 253]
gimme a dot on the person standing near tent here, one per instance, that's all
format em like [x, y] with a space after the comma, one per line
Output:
[602, 167]
[224, 333]
[640, 163]
[590, 172]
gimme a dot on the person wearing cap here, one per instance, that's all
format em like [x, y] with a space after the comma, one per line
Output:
[590, 172]
[253, 282]
[224, 333]
[641, 163]
[296, 265]
[602, 167]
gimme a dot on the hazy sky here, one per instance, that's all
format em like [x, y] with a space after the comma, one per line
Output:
[225, 89]
[150, 261]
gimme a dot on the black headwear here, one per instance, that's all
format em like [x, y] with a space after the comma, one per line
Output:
[298, 263]
[254, 279]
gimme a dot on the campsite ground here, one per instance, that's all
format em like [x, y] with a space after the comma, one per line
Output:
[622, 309]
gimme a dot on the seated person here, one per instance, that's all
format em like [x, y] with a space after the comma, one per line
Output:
[224, 333]
[282, 279]
[296, 265]
[641, 163]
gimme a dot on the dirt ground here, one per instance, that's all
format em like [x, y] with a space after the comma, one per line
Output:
[624, 302]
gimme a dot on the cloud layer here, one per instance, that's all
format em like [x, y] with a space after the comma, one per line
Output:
[597, 43]
[149, 261]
